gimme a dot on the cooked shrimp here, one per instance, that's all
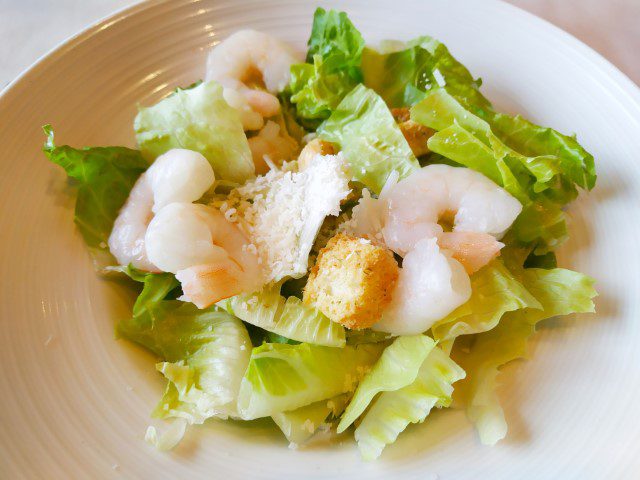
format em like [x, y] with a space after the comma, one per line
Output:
[273, 146]
[431, 285]
[435, 193]
[472, 249]
[246, 61]
[434, 278]
[209, 255]
[176, 176]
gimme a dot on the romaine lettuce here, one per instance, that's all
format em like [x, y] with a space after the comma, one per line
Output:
[494, 291]
[299, 425]
[332, 69]
[544, 175]
[560, 292]
[105, 176]
[397, 367]
[403, 73]
[370, 139]
[283, 377]
[197, 119]
[392, 411]
[287, 317]
[206, 353]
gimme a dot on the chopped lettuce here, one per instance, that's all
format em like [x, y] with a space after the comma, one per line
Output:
[366, 335]
[332, 69]
[542, 174]
[333, 35]
[155, 289]
[401, 75]
[397, 367]
[370, 139]
[289, 317]
[105, 176]
[169, 438]
[560, 292]
[206, 353]
[283, 377]
[317, 91]
[394, 410]
[299, 425]
[197, 119]
[494, 291]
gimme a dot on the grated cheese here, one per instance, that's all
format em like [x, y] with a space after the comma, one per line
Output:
[282, 211]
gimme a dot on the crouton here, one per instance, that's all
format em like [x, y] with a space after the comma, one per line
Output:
[415, 133]
[352, 281]
[311, 149]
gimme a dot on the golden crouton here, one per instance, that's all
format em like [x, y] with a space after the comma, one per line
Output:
[415, 134]
[311, 149]
[352, 281]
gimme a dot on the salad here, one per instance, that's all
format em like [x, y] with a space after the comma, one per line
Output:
[343, 240]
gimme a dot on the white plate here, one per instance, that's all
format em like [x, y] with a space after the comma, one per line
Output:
[74, 402]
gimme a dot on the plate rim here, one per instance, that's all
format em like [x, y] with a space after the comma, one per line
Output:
[612, 72]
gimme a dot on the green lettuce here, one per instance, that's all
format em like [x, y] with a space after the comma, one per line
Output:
[317, 91]
[494, 292]
[299, 425]
[156, 287]
[289, 317]
[283, 377]
[560, 292]
[197, 119]
[332, 69]
[105, 176]
[543, 175]
[397, 367]
[394, 410]
[370, 139]
[205, 355]
[403, 73]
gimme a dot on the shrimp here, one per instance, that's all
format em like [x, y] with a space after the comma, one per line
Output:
[472, 249]
[434, 278]
[243, 63]
[473, 203]
[431, 284]
[271, 145]
[177, 176]
[209, 255]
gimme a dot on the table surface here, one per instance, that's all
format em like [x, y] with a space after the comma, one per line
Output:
[30, 28]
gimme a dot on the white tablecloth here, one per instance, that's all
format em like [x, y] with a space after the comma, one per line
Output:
[30, 28]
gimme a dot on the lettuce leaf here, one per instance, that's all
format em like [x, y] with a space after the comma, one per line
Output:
[370, 139]
[197, 119]
[332, 69]
[206, 353]
[283, 377]
[397, 367]
[155, 289]
[560, 292]
[494, 292]
[289, 317]
[543, 175]
[333, 35]
[404, 73]
[316, 90]
[299, 425]
[105, 176]
[393, 411]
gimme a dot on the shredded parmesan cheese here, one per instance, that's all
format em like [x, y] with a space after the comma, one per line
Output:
[282, 211]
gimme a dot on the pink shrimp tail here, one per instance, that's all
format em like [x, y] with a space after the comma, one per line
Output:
[472, 249]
